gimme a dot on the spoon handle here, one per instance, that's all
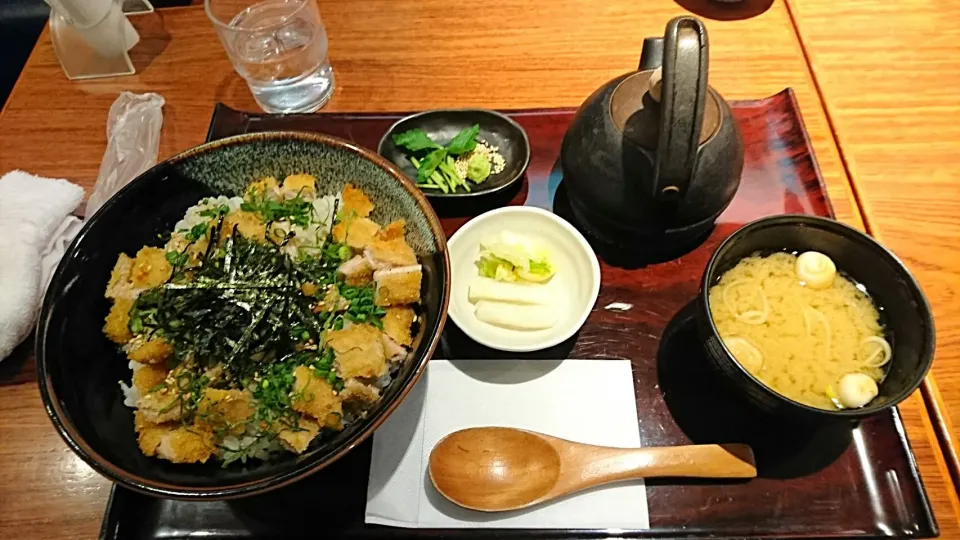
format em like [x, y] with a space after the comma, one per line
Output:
[601, 465]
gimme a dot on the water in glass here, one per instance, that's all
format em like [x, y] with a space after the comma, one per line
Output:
[280, 48]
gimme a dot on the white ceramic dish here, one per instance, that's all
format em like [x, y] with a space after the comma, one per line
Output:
[575, 285]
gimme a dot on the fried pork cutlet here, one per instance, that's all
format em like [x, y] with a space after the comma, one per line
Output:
[187, 444]
[266, 186]
[396, 229]
[303, 184]
[150, 434]
[130, 277]
[119, 285]
[247, 224]
[331, 301]
[358, 351]
[354, 390]
[357, 233]
[355, 202]
[150, 268]
[397, 322]
[160, 406]
[148, 376]
[398, 286]
[225, 410]
[392, 350]
[297, 440]
[116, 325]
[152, 351]
[314, 397]
[356, 272]
[389, 253]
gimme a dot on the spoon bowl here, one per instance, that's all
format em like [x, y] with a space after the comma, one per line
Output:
[494, 469]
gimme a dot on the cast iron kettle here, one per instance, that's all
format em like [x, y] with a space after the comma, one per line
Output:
[648, 163]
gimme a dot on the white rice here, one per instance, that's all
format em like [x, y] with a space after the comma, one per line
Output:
[193, 217]
[257, 448]
[131, 395]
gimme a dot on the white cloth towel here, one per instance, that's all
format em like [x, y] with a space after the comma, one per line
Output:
[35, 229]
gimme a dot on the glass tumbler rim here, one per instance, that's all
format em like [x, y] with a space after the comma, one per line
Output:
[227, 26]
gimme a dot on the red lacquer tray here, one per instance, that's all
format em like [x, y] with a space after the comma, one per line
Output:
[842, 481]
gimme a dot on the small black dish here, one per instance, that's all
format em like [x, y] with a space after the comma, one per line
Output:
[442, 125]
[908, 320]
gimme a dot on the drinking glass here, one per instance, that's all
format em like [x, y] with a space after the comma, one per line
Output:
[280, 48]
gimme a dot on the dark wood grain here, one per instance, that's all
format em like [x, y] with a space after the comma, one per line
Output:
[840, 479]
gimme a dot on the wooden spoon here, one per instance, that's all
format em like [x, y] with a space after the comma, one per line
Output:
[493, 469]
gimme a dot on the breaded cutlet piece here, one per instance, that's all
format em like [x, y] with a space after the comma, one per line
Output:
[396, 229]
[393, 252]
[148, 376]
[355, 202]
[119, 285]
[150, 434]
[397, 322]
[191, 444]
[357, 233]
[152, 351]
[331, 301]
[297, 440]
[313, 396]
[266, 186]
[354, 390]
[116, 325]
[358, 351]
[248, 224]
[303, 184]
[225, 410]
[150, 268]
[392, 350]
[356, 272]
[398, 286]
[160, 406]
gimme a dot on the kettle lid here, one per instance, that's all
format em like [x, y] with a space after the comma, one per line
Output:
[635, 109]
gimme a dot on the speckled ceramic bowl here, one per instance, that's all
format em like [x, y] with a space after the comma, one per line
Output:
[78, 368]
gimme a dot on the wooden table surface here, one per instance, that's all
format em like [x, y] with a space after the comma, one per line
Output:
[388, 55]
[888, 72]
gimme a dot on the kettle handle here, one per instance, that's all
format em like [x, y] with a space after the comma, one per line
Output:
[683, 96]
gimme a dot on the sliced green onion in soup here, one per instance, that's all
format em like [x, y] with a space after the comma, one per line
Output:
[880, 351]
[747, 354]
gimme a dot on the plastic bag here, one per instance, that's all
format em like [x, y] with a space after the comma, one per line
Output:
[133, 139]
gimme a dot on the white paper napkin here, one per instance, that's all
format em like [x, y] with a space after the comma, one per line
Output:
[589, 401]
